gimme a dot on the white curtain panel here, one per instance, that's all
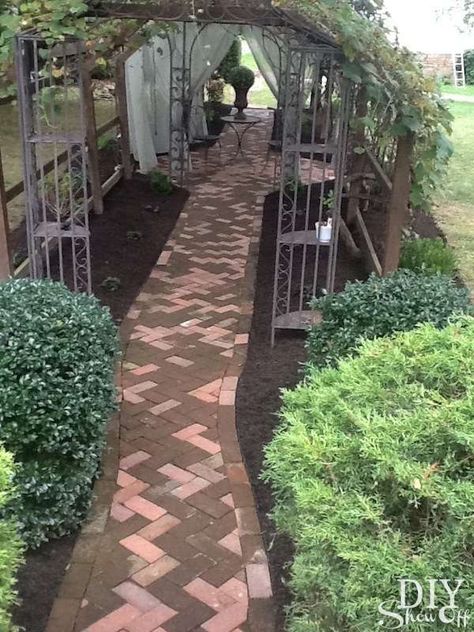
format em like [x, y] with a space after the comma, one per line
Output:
[210, 46]
[157, 60]
[139, 113]
[148, 85]
[269, 50]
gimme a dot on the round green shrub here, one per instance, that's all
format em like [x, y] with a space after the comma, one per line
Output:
[373, 475]
[241, 77]
[57, 367]
[428, 256]
[380, 307]
[10, 548]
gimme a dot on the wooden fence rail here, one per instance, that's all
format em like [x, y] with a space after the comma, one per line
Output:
[18, 188]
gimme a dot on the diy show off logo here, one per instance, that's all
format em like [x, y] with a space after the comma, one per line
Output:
[430, 604]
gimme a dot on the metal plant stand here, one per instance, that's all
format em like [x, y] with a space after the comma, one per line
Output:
[317, 105]
[53, 129]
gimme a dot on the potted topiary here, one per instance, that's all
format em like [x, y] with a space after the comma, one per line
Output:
[241, 79]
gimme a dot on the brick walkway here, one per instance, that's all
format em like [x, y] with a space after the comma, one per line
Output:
[180, 548]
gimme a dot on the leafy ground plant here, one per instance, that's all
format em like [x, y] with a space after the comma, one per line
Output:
[372, 471]
[57, 368]
[10, 548]
[428, 256]
[381, 307]
[160, 182]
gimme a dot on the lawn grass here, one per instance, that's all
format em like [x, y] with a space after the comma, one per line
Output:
[455, 209]
[468, 91]
[248, 60]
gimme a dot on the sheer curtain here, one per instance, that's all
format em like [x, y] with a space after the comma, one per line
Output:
[139, 113]
[148, 84]
[269, 50]
[211, 45]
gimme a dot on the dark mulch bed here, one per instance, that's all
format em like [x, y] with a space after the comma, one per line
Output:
[266, 371]
[128, 207]
[109, 158]
[127, 239]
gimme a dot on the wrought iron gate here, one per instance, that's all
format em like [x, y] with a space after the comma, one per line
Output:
[53, 132]
[316, 111]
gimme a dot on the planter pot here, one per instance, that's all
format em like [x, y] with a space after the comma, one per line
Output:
[241, 101]
[324, 233]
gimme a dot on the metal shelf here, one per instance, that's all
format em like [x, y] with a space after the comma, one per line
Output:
[51, 229]
[302, 237]
[298, 320]
[312, 148]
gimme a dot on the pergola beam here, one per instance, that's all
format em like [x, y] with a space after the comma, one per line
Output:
[172, 11]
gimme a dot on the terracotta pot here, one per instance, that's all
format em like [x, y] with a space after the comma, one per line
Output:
[241, 101]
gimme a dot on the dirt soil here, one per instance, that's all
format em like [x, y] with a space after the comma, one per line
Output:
[129, 208]
[266, 371]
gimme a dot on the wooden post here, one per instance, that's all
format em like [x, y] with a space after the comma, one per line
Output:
[92, 149]
[398, 206]
[5, 261]
[122, 111]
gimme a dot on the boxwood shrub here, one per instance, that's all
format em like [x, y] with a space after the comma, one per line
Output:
[380, 307]
[428, 256]
[57, 364]
[373, 474]
[10, 548]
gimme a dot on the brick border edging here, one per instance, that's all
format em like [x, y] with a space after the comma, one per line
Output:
[261, 610]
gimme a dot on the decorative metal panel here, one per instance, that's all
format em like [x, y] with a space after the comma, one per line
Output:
[53, 131]
[316, 111]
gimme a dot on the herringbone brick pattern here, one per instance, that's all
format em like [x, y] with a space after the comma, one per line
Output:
[171, 555]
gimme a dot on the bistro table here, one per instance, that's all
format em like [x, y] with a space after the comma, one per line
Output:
[241, 126]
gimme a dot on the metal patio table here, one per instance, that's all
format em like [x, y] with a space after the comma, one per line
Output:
[241, 126]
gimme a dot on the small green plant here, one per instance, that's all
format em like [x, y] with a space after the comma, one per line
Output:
[10, 548]
[328, 202]
[215, 90]
[428, 256]
[160, 182]
[111, 284]
[373, 475]
[381, 307]
[107, 142]
[293, 186]
[134, 235]
[57, 390]
[63, 197]
[241, 77]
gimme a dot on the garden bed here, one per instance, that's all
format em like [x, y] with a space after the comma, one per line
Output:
[128, 207]
[266, 371]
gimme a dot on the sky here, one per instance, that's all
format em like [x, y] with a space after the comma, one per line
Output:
[425, 28]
